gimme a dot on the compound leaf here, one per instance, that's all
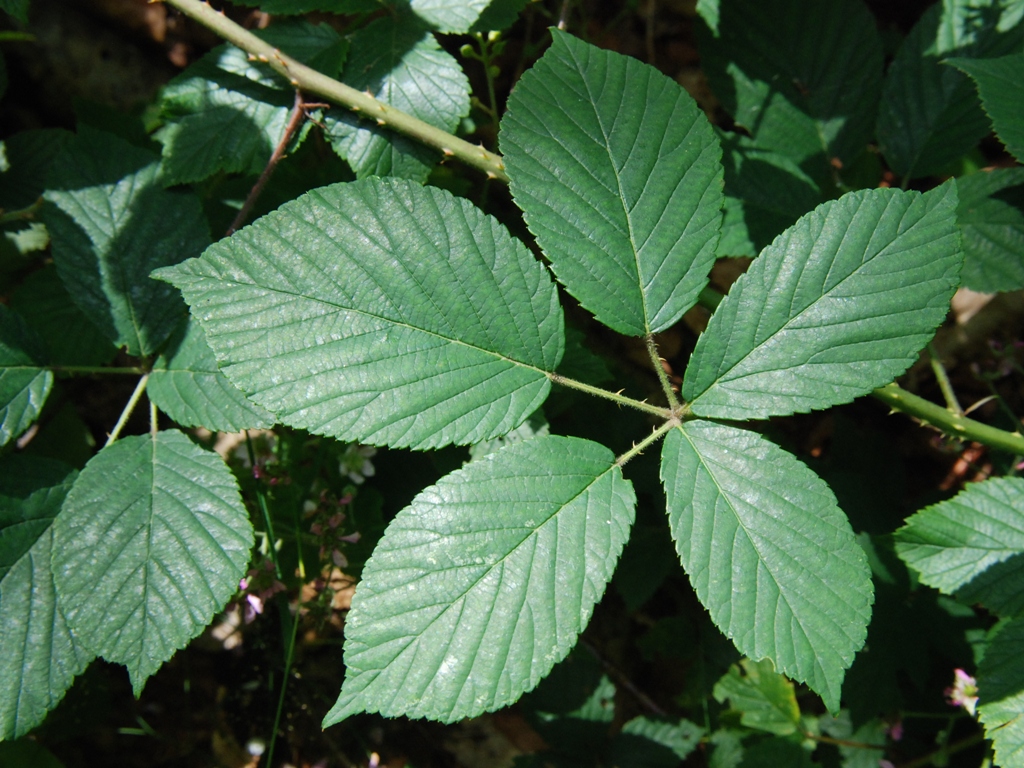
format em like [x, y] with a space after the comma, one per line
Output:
[801, 76]
[381, 312]
[991, 216]
[112, 223]
[1001, 87]
[1001, 693]
[24, 381]
[618, 174]
[187, 385]
[485, 581]
[38, 654]
[766, 699]
[930, 114]
[839, 304]
[151, 542]
[397, 59]
[972, 544]
[769, 553]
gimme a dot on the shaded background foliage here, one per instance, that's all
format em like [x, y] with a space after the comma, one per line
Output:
[650, 650]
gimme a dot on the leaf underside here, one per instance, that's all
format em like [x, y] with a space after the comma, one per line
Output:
[485, 581]
[768, 552]
[839, 304]
[382, 312]
[619, 177]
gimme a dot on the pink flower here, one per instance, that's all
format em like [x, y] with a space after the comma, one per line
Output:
[964, 691]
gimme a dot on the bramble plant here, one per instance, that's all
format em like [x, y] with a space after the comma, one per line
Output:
[382, 311]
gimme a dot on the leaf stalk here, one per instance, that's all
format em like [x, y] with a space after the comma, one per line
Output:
[127, 412]
[652, 438]
[557, 378]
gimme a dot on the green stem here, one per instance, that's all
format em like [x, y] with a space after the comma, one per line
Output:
[952, 424]
[127, 412]
[710, 298]
[6, 217]
[261, 501]
[154, 423]
[666, 385]
[640, 447]
[311, 81]
[944, 384]
[557, 378]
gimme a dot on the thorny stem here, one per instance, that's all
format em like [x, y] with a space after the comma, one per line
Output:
[294, 122]
[950, 423]
[640, 405]
[127, 412]
[652, 438]
[311, 81]
[659, 368]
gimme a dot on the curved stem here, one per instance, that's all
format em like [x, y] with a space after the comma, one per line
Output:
[308, 79]
[948, 422]
[640, 405]
[127, 412]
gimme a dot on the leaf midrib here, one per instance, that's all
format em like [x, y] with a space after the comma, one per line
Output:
[222, 282]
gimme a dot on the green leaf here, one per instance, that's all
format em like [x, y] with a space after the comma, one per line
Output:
[229, 113]
[16, 8]
[930, 114]
[991, 216]
[498, 15]
[1001, 693]
[68, 334]
[1001, 87]
[837, 305]
[112, 223]
[24, 382]
[485, 581]
[972, 544]
[449, 15]
[681, 737]
[38, 654]
[397, 60]
[774, 752]
[26, 753]
[617, 172]
[187, 385]
[765, 192]
[760, 535]
[151, 542]
[380, 312]
[801, 76]
[766, 699]
[30, 155]
[853, 753]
